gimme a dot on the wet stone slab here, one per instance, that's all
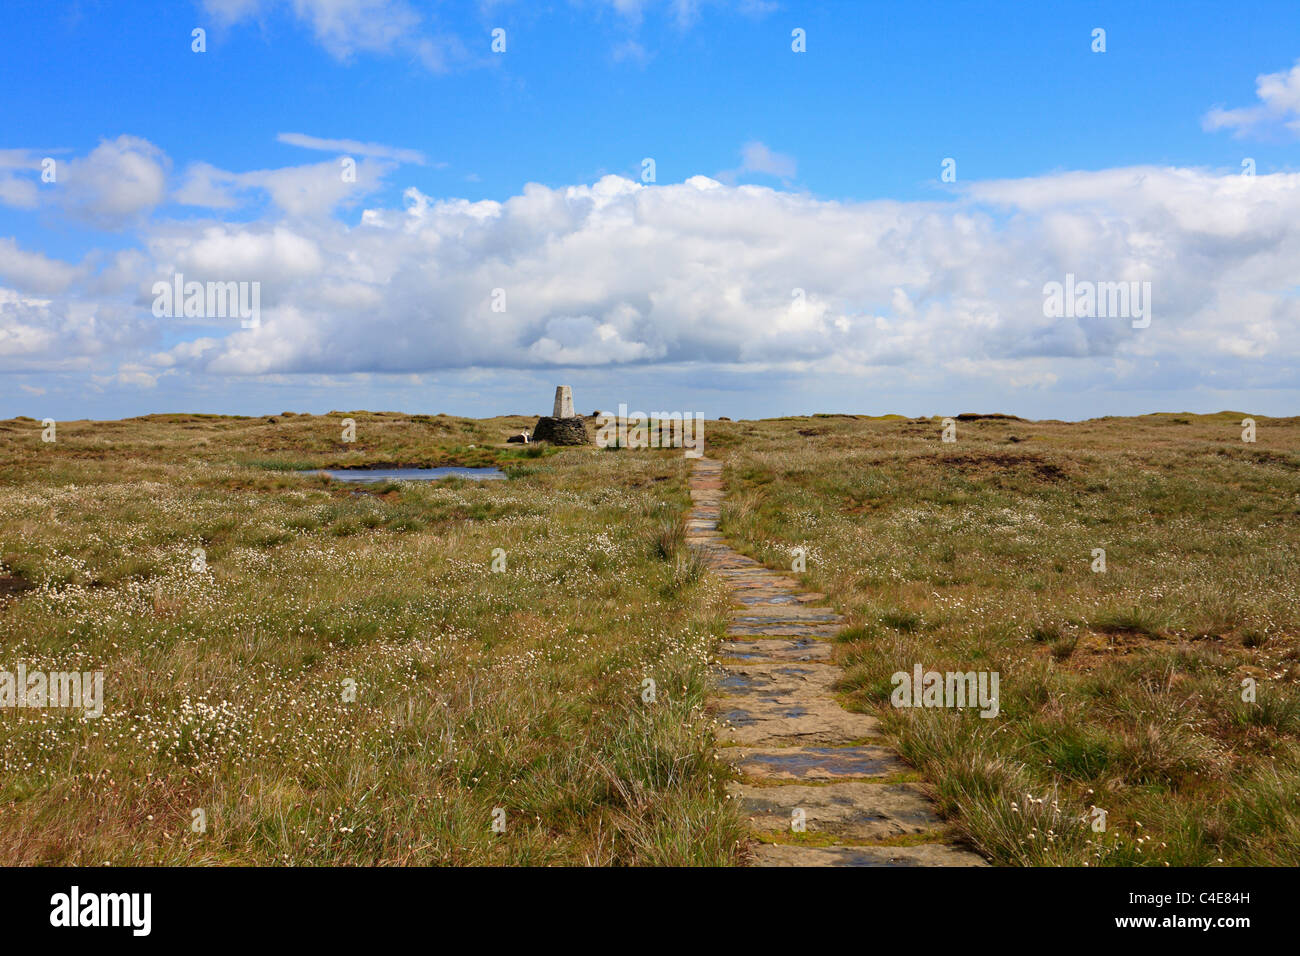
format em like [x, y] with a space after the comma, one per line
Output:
[750, 714]
[777, 649]
[770, 596]
[744, 578]
[928, 854]
[777, 679]
[791, 722]
[855, 811]
[779, 613]
[813, 763]
[783, 629]
[761, 593]
[761, 597]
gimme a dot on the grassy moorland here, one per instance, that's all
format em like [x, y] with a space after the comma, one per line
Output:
[227, 679]
[232, 603]
[1120, 690]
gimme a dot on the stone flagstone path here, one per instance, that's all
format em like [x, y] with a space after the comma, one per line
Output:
[793, 745]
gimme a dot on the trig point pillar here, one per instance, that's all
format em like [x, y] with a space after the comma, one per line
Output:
[563, 402]
[564, 427]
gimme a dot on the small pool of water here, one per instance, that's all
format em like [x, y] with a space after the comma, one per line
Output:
[371, 475]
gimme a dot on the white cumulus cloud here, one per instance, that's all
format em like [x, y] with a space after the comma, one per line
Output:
[1279, 103]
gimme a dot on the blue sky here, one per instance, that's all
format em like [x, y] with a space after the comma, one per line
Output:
[775, 171]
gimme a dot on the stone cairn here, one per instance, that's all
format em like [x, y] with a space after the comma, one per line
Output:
[562, 427]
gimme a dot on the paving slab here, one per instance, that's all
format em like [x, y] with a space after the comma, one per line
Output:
[777, 649]
[795, 614]
[855, 811]
[812, 764]
[791, 722]
[927, 854]
[783, 628]
[777, 679]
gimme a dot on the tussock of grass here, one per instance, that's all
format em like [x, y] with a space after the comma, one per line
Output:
[670, 541]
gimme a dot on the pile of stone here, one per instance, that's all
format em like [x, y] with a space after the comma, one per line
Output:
[562, 427]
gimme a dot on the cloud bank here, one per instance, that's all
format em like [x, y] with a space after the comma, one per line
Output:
[698, 275]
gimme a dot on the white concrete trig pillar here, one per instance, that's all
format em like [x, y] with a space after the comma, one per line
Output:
[563, 402]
